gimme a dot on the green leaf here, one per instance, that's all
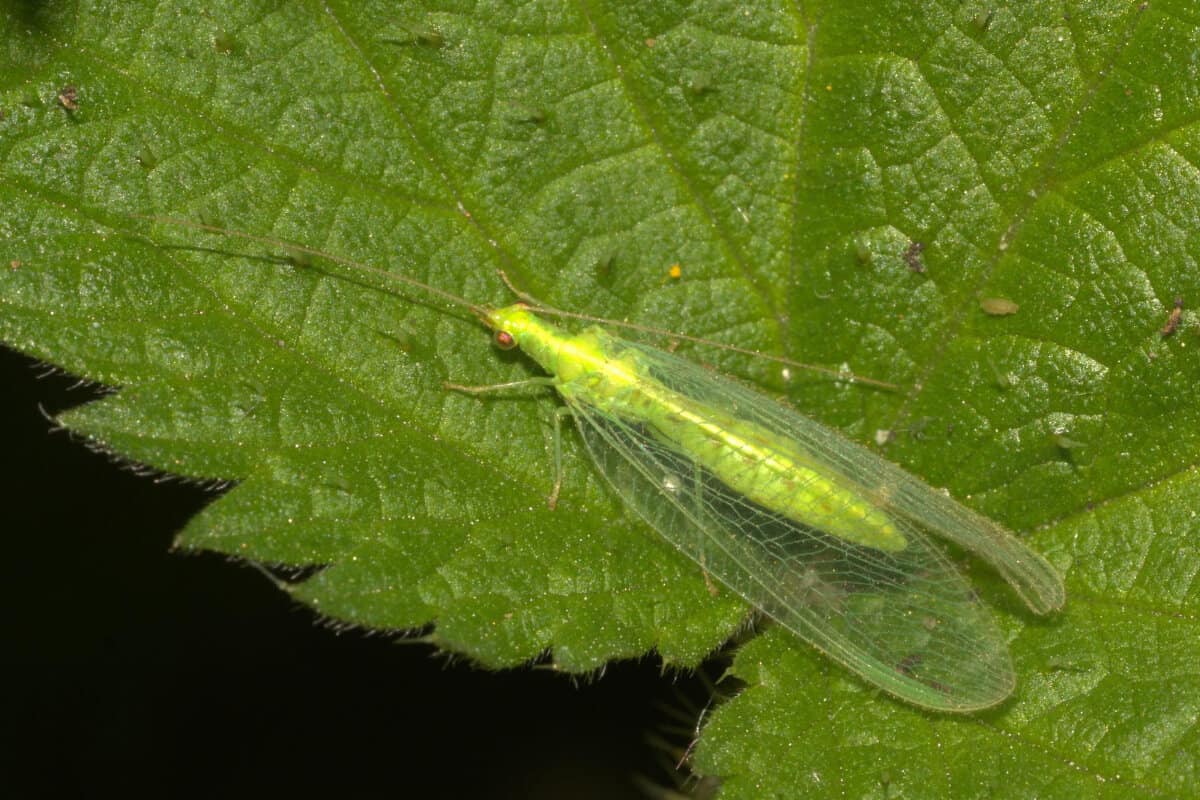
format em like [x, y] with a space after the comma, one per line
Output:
[840, 183]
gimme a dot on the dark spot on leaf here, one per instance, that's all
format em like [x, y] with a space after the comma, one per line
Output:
[1173, 318]
[68, 98]
[912, 256]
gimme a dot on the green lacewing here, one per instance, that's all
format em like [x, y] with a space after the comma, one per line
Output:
[823, 536]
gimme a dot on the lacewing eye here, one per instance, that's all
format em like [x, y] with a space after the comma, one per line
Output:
[505, 340]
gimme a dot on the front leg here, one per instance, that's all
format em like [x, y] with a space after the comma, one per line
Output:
[552, 500]
[499, 387]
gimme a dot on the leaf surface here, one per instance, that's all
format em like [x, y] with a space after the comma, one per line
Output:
[839, 183]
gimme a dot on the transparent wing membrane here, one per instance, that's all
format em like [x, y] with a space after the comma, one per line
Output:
[902, 495]
[906, 621]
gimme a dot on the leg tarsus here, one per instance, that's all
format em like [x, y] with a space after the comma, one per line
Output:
[552, 500]
[497, 387]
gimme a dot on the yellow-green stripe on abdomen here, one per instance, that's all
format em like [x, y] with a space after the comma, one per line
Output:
[754, 463]
[768, 469]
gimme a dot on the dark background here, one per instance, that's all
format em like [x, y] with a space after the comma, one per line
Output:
[138, 670]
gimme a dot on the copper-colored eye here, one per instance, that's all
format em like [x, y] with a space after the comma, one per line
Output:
[505, 340]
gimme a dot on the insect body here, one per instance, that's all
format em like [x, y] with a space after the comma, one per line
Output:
[823, 536]
[597, 370]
